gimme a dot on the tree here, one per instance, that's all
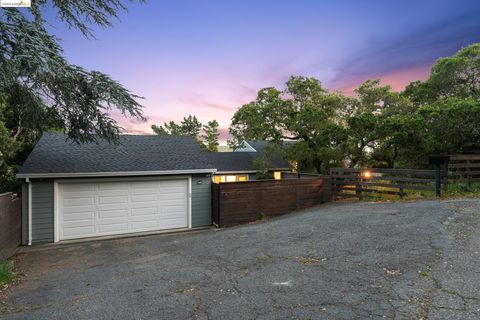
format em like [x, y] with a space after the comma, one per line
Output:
[457, 76]
[210, 136]
[33, 67]
[304, 111]
[264, 167]
[371, 136]
[8, 148]
[191, 126]
[445, 114]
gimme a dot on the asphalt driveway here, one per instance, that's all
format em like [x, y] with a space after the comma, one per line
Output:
[403, 260]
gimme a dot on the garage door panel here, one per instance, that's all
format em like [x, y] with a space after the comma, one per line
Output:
[79, 201]
[108, 208]
[109, 186]
[151, 224]
[172, 223]
[144, 211]
[78, 187]
[173, 190]
[144, 197]
[173, 203]
[77, 232]
[113, 228]
[78, 223]
[171, 197]
[144, 185]
[79, 209]
[113, 199]
[107, 214]
[78, 216]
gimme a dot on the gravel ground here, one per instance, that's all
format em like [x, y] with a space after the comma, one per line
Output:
[402, 260]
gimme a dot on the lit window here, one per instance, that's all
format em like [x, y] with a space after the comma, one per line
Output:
[277, 175]
[231, 178]
[242, 178]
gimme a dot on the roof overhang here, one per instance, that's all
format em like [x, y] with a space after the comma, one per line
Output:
[111, 174]
[249, 171]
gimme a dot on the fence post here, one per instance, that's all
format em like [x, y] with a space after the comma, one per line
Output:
[445, 182]
[438, 180]
[218, 205]
[358, 187]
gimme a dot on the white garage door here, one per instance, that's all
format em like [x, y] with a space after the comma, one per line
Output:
[107, 208]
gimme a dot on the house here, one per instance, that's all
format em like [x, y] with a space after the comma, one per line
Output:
[142, 184]
[239, 165]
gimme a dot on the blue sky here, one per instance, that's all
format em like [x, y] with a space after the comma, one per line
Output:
[207, 58]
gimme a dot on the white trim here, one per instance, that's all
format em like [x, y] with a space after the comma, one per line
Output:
[190, 202]
[56, 229]
[246, 147]
[29, 212]
[148, 178]
[112, 174]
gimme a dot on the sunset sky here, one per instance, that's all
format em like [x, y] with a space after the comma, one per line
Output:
[207, 58]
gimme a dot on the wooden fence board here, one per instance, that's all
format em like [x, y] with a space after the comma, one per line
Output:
[382, 181]
[10, 224]
[241, 202]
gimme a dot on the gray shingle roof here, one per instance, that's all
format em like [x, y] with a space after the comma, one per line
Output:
[54, 154]
[240, 161]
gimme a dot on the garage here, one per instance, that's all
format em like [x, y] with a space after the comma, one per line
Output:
[92, 209]
[138, 185]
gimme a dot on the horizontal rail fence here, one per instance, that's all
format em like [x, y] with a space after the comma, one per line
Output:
[297, 175]
[356, 183]
[464, 167]
[10, 224]
[241, 202]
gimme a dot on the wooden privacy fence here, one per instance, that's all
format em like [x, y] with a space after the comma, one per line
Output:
[464, 167]
[349, 182]
[241, 202]
[10, 224]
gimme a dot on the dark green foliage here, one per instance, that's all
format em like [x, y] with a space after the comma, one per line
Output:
[210, 136]
[191, 126]
[304, 112]
[264, 167]
[40, 90]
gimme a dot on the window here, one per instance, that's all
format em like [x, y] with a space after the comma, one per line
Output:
[230, 178]
[277, 175]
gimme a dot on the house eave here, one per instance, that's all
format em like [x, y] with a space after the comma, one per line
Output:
[249, 171]
[111, 174]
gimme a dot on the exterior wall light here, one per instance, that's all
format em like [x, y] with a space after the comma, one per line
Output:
[366, 174]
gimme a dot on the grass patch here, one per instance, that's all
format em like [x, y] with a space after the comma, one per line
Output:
[6, 273]
[262, 217]
[455, 190]
[459, 189]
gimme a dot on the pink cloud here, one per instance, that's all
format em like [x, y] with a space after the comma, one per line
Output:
[397, 79]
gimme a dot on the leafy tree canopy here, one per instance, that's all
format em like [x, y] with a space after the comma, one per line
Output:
[33, 67]
[40, 90]
[191, 126]
[457, 76]
[304, 111]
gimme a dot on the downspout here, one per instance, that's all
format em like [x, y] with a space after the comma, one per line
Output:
[29, 211]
